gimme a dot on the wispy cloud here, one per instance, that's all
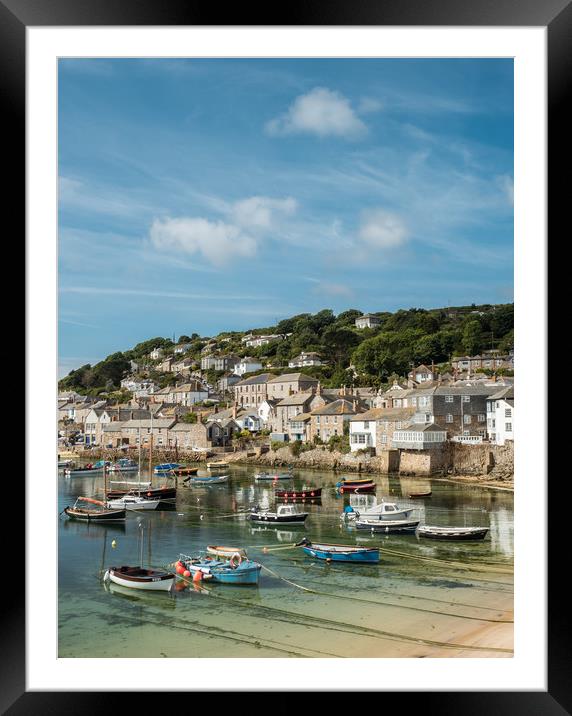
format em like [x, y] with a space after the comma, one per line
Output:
[151, 293]
[321, 112]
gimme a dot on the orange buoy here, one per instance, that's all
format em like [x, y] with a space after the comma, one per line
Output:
[198, 576]
[186, 573]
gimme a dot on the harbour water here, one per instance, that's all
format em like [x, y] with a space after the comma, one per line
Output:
[424, 599]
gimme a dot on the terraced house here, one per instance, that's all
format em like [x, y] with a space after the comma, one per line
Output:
[329, 421]
[281, 386]
[252, 392]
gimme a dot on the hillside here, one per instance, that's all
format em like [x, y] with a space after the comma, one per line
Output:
[405, 337]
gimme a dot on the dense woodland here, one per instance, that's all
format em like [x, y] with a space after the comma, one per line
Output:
[376, 356]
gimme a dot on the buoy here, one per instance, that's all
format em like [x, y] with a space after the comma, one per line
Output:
[186, 573]
[114, 544]
[201, 517]
[198, 576]
[265, 550]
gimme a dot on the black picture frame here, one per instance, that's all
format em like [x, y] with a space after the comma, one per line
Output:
[556, 16]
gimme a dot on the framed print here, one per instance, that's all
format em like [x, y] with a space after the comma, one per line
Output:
[272, 260]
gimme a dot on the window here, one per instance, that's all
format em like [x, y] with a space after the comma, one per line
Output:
[448, 398]
[467, 419]
[508, 413]
[466, 398]
[384, 439]
[361, 438]
[427, 417]
[366, 424]
[508, 427]
[449, 418]
[481, 418]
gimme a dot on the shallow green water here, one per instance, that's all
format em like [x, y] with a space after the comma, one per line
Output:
[411, 604]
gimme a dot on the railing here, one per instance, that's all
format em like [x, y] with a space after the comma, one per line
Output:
[467, 439]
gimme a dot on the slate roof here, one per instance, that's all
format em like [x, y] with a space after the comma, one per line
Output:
[293, 377]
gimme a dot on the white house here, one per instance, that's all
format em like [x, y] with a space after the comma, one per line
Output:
[247, 365]
[368, 320]
[362, 430]
[181, 348]
[305, 359]
[156, 353]
[500, 416]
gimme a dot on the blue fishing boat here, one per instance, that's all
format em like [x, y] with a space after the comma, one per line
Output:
[340, 552]
[89, 469]
[165, 468]
[237, 570]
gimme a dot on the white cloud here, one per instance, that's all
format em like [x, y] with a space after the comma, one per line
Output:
[382, 229]
[216, 241]
[368, 105]
[506, 183]
[322, 112]
[259, 211]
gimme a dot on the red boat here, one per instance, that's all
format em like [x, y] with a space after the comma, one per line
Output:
[306, 493]
[359, 486]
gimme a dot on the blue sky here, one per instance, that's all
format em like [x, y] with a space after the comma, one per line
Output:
[209, 195]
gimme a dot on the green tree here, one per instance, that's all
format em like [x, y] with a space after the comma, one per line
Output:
[472, 337]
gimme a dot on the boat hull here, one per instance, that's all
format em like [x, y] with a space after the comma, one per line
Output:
[388, 526]
[127, 504]
[265, 477]
[273, 519]
[214, 480]
[224, 552]
[459, 534]
[366, 487]
[221, 572]
[153, 493]
[159, 581]
[82, 515]
[336, 553]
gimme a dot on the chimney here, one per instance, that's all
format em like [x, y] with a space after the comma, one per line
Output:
[319, 389]
[354, 405]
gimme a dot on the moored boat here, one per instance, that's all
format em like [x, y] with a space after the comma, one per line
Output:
[185, 470]
[382, 511]
[271, 476]
[85, 514]
[65, 463]
[452, 533]
[387, 526]
[154, 493]
[305, 493]
[166, 468]
[217, 465]
[134, 502]
[207, 479]
[224, 552]
[416, 495]
[284, 515]
[124, 464]
[89, 469]
[340, 552]
[236, 570]
[139, 578]
[365, 485]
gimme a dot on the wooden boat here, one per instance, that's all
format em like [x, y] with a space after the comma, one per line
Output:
[134, 502]
[388, 526]
[236, 570]
[382, 511]
[359, 486]
[84, 514]
[154, 493]
[223, 552]
[271, 476]
[452, 533]
[185, 470]
[415, 495]
[284, 515]
[207, 479]
[65, 463]
[306, 493]
[217, 465]
[340, 552]
[89, 469]
[139, 578]
[166, 468]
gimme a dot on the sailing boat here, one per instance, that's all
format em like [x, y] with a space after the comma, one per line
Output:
[138, 577]
[133, 499]
[105, 513]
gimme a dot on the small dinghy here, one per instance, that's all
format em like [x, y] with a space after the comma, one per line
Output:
[139, 578]
[271, 476]
[340, 552]
[284, 515]
[223, 552]
[236, 570]
[355, 486]
[185, 470]
[388, 526]
[452, 533]
[217, 465]
[416, 495]
[305, 493]
[207, 479]
[85, 514]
